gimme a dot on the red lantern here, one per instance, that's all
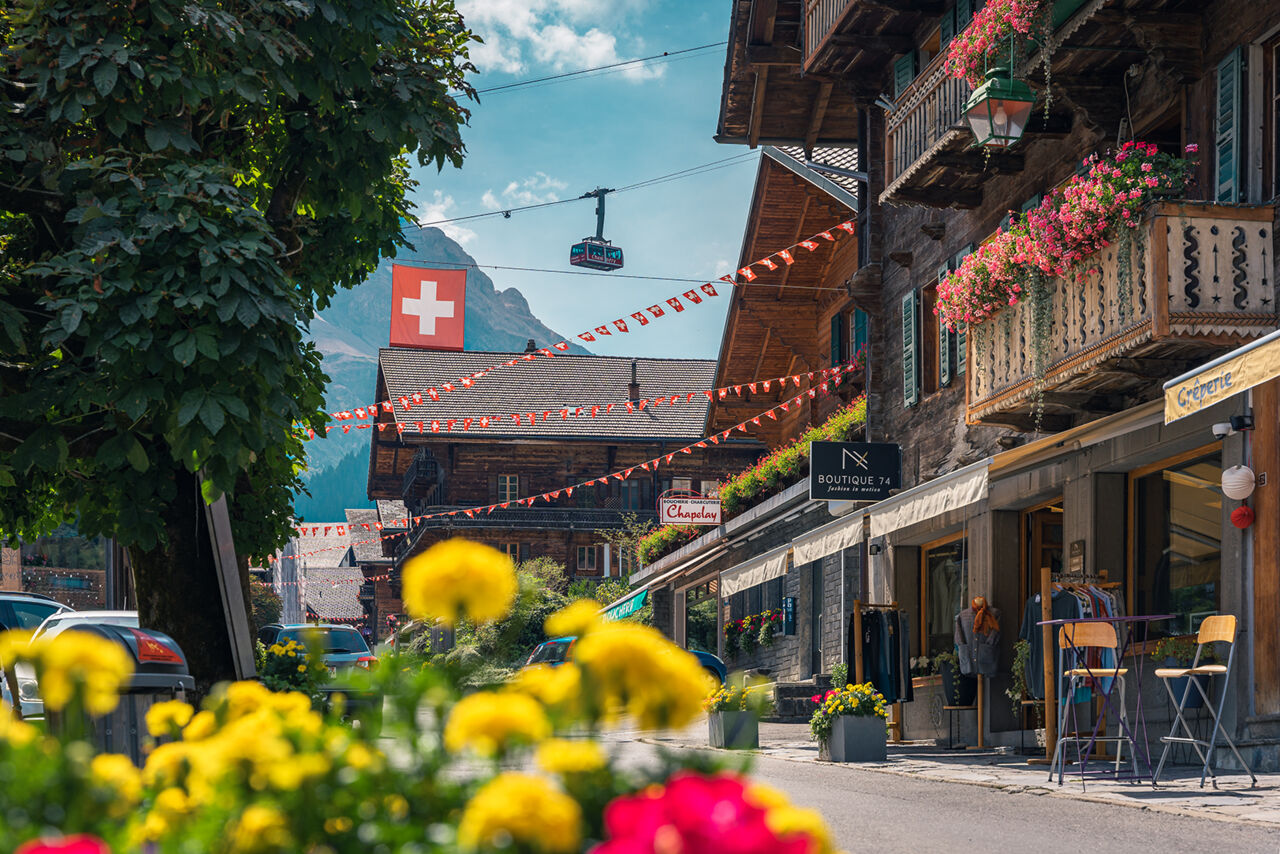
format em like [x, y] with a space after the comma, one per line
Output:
[1242, 516]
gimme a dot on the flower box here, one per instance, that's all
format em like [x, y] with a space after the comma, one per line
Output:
[855, 738]
[734, 730]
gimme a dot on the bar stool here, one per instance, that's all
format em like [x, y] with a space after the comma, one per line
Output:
[1078, 637]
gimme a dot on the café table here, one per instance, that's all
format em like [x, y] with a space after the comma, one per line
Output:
[1128, 629]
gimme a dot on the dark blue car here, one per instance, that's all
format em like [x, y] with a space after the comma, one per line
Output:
[557, 651]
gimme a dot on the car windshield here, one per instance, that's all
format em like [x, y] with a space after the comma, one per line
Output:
[333, 641]
[551, 652]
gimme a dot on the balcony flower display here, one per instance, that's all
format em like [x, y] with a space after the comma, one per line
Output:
[987, 36]
[1072, 224]
[256, 771]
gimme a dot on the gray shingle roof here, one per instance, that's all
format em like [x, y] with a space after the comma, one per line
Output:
[364, 552]
[840, 157]
[392, 514]
[548, 385]
[330, 546]
[334, 594]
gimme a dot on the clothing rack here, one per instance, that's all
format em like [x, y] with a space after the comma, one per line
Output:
[1050, 700]
[895, 722]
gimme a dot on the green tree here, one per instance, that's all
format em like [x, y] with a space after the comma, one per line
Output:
[183, 184]
[267, 606]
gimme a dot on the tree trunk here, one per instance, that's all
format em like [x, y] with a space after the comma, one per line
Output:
[177, 587]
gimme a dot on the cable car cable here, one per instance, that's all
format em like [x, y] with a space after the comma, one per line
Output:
[522, 83]
[456, 264]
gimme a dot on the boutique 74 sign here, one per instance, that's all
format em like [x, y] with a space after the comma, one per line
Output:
[853, 471]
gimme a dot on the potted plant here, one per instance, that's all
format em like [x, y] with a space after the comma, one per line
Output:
[1179, 652]
[1019, 692]
[733, 716]
[849, 724]
[957, 690]
[770, 624]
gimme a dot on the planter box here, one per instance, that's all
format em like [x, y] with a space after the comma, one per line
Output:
[734, 730]
[855, 738]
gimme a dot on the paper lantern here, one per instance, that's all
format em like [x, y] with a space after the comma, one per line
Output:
[1242, 516]
[1238, 482]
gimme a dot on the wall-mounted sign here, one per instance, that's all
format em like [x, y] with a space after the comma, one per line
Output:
[853, 471]
[689, 511]
[789, 615]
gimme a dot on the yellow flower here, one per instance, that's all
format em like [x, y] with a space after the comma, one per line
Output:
[69, 664]
[457, 578]
[302, 668]
[397, 807]
[168, 718]
[559, 689]
[260, 829]
[118, 774]
[566, 756]
[171, 806]
[337, 824]
[14, 646]
[525, 810]
[489, 723]
[15, 732]
[634, 667]
[574, 620]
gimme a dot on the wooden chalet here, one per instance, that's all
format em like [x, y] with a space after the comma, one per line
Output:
[514, 457]
[1033, 440]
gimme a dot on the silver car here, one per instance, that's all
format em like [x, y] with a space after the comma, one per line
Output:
[56, 624]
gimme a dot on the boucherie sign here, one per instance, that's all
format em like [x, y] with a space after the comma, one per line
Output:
[689, 511]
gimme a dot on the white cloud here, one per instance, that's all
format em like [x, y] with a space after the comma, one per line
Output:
[534, 190]
[723, 267]
[490, 201]
[524, 35]
[442, 207]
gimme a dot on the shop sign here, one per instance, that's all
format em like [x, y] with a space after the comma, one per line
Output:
[689, 511]
[1252, 367]
[853, 471]
[789, 615]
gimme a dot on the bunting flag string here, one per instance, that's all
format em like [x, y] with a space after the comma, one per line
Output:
[315, 582]
[643, 317]
[621, 474]
[438, 424]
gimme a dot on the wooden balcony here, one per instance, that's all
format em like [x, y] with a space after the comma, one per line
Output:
[1200, 283]
[845, 37]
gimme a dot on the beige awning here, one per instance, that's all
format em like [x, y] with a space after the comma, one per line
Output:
[953, 491]
[766, 567]
[1236, 372]
[830, 539]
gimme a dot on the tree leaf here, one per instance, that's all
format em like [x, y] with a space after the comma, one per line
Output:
[71, 317]
[189, 405]
[137, 455]
[211, 415]
[104, 77]
[157, 137]
[185, 350]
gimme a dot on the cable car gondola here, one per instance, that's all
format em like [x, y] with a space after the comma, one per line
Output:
[596, 253]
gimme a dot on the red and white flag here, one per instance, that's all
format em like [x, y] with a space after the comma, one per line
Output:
[427, 307]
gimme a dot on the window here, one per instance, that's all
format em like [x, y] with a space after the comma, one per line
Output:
[29, 615]
[857, 333]
[627, 561]
[1178, 542]
[944, 576]
[512, 550]
[631, 495]
[904, 71]
[710, 488]
[508, 487]
[838, 354]
[587, 558]
[685, 483]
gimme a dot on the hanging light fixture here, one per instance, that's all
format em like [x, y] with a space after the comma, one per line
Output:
[999, 109]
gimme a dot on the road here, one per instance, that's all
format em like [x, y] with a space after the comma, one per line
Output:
[873, 811]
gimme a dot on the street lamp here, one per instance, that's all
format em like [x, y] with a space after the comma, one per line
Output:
[998, 110]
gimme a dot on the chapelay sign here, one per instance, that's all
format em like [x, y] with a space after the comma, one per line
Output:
[689, 511]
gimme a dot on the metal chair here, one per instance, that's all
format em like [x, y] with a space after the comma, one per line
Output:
[1220, 628]
[1077, 638]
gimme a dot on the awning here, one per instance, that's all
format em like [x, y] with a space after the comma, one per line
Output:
[1240, 370]
[952, 491]
[767, 567]
[626, 607]
[831, 538]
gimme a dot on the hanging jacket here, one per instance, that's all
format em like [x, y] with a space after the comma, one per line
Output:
[979, 652]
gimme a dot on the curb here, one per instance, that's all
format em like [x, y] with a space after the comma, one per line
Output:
[1009, 788]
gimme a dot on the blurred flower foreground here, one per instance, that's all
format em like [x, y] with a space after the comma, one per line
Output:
[512, 767]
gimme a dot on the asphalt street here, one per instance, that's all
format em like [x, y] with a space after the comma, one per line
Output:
[873, 811]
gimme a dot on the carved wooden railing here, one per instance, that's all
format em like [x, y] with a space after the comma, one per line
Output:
[930, 108]
[1195, 272]
[820, 18]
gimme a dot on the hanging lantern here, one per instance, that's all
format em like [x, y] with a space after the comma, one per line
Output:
[999, 109]
[1238, 482]
[1242, 516]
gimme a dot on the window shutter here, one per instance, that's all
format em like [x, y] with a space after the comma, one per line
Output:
[524, 552]
[904, 71]
[493, 489]
[947, 29]
[1226, 129]
[962, 333]
[837, 339]
[964, 14]
[944, 338]
[910, 350]
[858, 336]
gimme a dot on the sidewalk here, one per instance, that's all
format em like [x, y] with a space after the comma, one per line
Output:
[1179, 792]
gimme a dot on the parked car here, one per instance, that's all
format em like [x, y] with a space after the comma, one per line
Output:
[557, 651]
[19, 610]
[343, 649]
[54, 625]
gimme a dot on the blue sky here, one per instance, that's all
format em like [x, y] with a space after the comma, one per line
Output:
[557, 141]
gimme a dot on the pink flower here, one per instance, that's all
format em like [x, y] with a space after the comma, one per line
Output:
[1192, 148]
[79, 844]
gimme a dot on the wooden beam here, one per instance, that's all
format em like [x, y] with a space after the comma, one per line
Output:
[951, 198]
[800, 234]
[757, 106]
[977, 162]
[816, 117]
[764, 348]
[783, 55]
[884, 42]
[764, 21]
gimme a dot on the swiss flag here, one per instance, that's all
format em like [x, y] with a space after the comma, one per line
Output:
[428, 307]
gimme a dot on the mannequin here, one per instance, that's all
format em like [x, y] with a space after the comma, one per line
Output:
[978, 638]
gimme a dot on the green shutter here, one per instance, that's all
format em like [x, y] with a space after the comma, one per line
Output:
[964, 14]
[858, 329]
[910, 350]
[1227, 128]
[904, 71]
[944, 338]
[947, 29]
[962, 334]
[837, 339]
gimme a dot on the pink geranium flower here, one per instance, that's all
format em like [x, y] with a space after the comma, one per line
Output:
[79, 844]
